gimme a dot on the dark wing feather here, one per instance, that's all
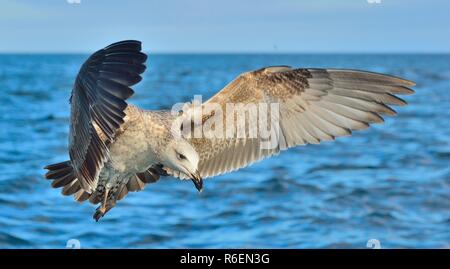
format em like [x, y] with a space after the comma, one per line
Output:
[98, 104]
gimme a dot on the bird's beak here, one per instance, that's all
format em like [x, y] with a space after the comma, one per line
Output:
[197, 179]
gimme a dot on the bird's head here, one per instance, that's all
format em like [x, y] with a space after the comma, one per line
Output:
[180, 156]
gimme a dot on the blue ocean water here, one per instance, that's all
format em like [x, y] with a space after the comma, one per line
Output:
[390, 182]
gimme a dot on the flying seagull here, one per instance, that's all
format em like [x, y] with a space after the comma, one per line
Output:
[116, 148]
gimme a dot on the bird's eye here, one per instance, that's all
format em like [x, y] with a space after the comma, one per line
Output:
[181, 156]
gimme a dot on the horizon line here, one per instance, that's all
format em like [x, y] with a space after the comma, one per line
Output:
[237, 52]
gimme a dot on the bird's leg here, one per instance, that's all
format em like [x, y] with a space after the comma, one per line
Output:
[101, 210]
[105, 198]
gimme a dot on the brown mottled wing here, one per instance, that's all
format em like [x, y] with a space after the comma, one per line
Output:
[314, 105]
[98, 104]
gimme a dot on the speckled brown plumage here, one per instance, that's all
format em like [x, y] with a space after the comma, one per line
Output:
[116, 147]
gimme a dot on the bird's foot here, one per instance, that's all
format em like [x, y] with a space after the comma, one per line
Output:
[100, 212]
[103, 209]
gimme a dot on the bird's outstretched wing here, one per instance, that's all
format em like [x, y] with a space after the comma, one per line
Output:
[98, 104]
[314, 105]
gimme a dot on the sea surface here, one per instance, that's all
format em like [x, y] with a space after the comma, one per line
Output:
[390, 182]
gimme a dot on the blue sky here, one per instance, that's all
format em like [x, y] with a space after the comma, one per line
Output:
[227, 26]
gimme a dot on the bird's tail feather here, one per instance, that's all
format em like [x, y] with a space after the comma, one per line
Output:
[62, 175]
